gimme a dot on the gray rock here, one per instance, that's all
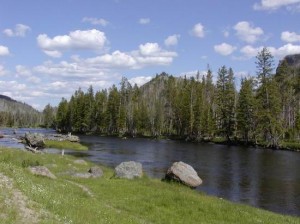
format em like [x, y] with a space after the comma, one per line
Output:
[82, 175]
[95, 172]
[35, 140]
[80, 161]
[129, 170]
[183, 173]
[41, 171]
[72, 138]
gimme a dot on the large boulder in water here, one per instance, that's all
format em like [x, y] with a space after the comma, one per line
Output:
[35, 140]
[129, 170]
[183, 173]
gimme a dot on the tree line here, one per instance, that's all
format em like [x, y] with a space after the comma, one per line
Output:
[17, 114]
[266, 109]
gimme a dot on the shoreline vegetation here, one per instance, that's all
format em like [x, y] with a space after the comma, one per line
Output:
[107, 199]
[65, 145]
[287, 146]
[264, 112]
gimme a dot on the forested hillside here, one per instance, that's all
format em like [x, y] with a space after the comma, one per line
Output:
[17, 114]
[265, 110]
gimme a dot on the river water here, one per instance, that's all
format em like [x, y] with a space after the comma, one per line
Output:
[263, 178]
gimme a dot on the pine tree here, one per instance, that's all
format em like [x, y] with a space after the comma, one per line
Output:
[246, 110]
[285, 80]
[198, 108]
[100, 111]
[208, 105]
[89, 104]
[113, 110]
[49, 116]
[268, 100]
[62, 120]
[225, 99]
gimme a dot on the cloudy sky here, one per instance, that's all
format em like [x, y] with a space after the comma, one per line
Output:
[48, 49]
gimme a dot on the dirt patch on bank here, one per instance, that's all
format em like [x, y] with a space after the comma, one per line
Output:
[15, 200]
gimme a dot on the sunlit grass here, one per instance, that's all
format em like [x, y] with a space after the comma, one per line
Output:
[291, 145]
[65, 145]
[113, 200]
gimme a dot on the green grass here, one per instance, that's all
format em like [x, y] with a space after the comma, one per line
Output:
[291, 145]
[117, 200]
[65, 145]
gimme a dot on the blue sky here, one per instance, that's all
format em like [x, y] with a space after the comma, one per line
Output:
[48, 49]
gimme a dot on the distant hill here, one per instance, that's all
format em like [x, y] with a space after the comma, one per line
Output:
[293, 60]
[8, 104]
[14, 113]
[7, 98]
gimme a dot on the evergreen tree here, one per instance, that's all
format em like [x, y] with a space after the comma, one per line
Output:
[268, 100]
[113, 110]
[49, 116]
[208, 105]
[100, 109]
[225, 99]
[88, 122]
[285, 81]
[62, 120]
[198, 108]
[246, 110]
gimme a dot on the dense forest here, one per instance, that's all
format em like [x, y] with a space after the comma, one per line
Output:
[266, 109]
[17, 114]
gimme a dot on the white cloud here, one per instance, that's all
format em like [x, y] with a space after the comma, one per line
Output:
[144, 21]
[149, 49]
[8, 86]
[172, 40]
[115, 60]
[34, 80]
[95, 21]
[287, 49]
[4, 51]
[148, 54]
[198, 30]
[275, 4]
[3, 71]
[246, 32]
[53, 54]
[226, 33]
[249, 51]
[60, 79]
[151, 54]
[79, 39]
[20, 30]
[224, 49]
[290, 37]
[104, 67]
[72, 70]
[23, 71]
[140, 80]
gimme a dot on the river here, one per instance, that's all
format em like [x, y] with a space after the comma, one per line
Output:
[268, 179]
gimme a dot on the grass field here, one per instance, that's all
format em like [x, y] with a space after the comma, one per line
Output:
[65, 145]
[68, 199]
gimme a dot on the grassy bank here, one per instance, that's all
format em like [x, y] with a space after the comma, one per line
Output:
[65, 145]
[68, 199]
